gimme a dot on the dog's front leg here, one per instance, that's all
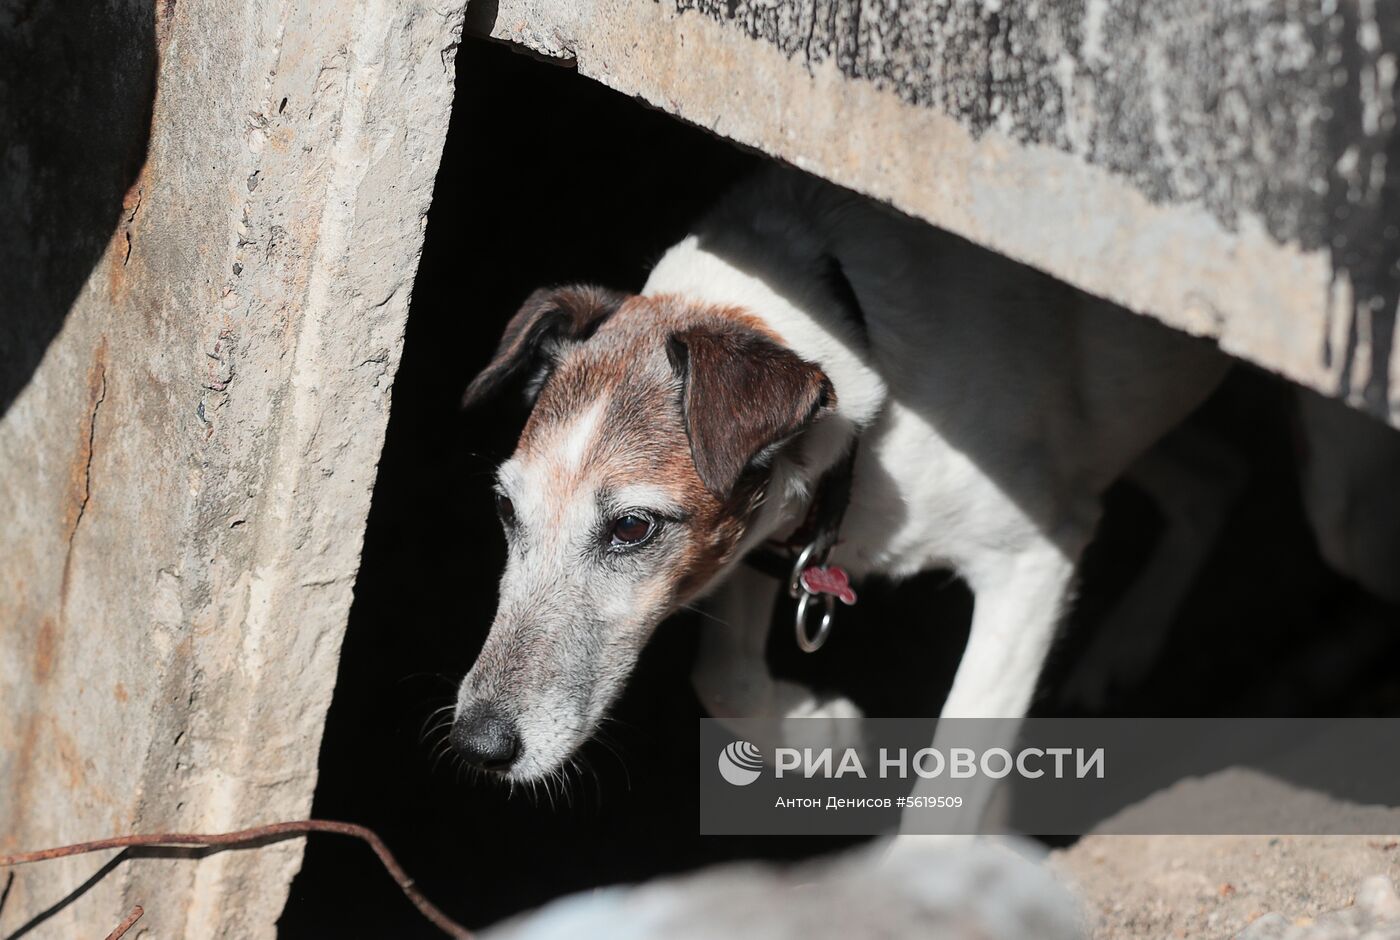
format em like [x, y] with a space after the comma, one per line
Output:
[1019, 601]
[732, 679]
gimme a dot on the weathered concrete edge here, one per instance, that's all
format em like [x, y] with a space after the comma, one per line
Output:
[295, 600]
[1263, 301]
[186, 474]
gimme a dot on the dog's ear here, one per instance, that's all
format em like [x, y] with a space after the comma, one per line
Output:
[547, 316]
[744, 397]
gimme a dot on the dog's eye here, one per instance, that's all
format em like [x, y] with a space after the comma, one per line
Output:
[505, 508]
[631, 529]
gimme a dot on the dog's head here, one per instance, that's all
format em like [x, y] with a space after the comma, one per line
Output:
[637, 476]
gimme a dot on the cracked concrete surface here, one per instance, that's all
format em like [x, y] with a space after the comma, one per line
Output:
[188, 438]
[1230, 168]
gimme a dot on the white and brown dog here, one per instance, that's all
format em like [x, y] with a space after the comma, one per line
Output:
[675, 431]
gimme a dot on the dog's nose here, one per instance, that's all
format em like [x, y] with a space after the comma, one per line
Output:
[485, 739]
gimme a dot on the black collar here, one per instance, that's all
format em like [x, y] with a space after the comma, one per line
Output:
[820, 529]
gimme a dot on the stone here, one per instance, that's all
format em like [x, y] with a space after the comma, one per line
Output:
[1377, 899]
[1273, 926]
[212, 213]
[959, 890]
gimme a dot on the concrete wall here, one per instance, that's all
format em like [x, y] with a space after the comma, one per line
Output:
[1231, 168]
[212, 212]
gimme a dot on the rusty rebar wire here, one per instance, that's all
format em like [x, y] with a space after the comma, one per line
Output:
[127, 924]
[268, 833]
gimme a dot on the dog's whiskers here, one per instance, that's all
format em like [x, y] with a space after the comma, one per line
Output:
[705, 613]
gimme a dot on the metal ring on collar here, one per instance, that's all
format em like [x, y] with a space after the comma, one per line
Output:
[809, 643]
[795, 588]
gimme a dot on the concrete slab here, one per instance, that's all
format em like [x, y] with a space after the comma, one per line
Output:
[1232, 169]
[213, 213]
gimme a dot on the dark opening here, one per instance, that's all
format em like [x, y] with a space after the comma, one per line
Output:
[547, 178]
[550, 178]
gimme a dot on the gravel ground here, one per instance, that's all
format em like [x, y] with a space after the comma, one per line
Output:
[1268, 887]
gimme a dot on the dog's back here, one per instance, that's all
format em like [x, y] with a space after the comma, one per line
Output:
[1002, 382]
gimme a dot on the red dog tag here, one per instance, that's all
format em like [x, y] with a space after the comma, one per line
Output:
[828, 579]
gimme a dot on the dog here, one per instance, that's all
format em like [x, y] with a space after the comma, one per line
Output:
[978, 408]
